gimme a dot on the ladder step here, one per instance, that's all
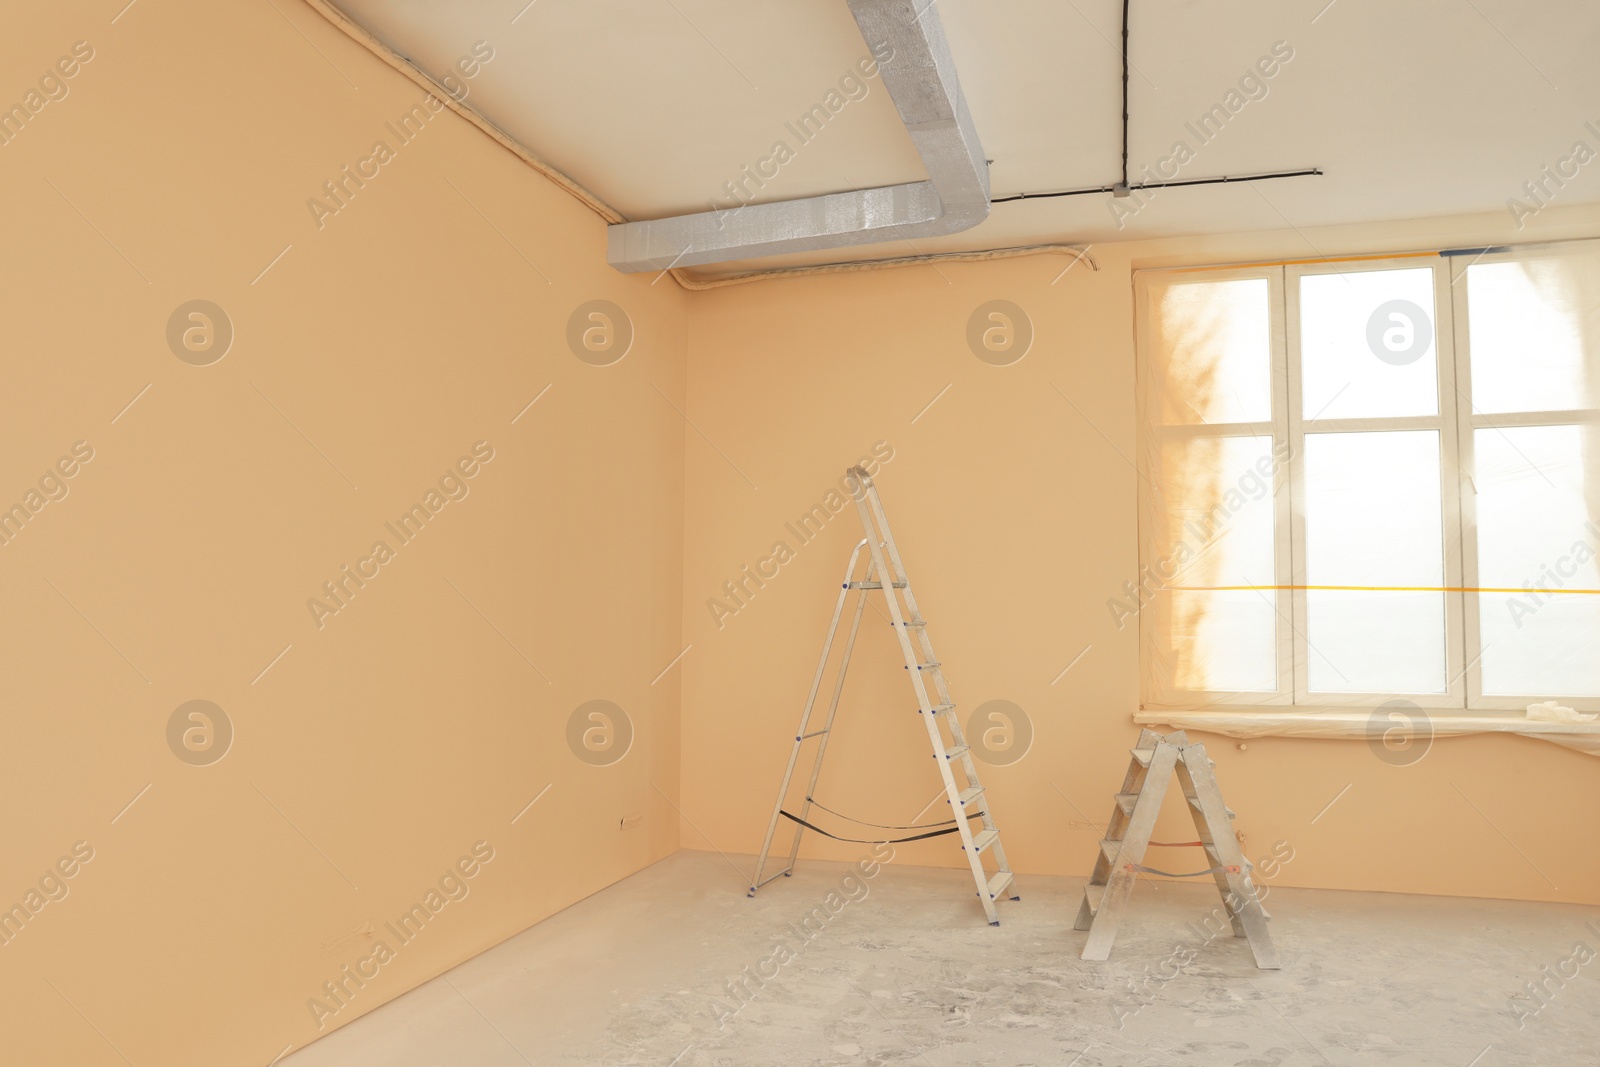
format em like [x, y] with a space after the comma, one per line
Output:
[1216, 858]
[969, 794]
[998, 883]
[1109, 850]
[1194, 802]
[1144, 756]
[985, 839]
[957, 750]
[914, 624]
[1092, 895]
[813, 733]
[1126, 801]
[943, 709]
[872, 585]
[933, 666]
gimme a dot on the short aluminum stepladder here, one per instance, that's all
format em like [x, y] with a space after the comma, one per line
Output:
[950, 749]
[1155, 758]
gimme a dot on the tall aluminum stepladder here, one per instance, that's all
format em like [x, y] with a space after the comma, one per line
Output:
[950, 750]
[1155, 759]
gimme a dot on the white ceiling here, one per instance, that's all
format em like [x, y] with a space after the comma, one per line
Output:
[1417, 108]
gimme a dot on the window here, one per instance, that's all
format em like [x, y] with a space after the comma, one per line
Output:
[1370, 480]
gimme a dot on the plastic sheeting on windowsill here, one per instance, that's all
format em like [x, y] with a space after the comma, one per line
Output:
[1374, 726]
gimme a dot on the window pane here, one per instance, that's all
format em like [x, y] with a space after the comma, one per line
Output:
[1373, 518]
[1219, 532]
[1535, 533]
[1212, 354]
[1526, 322]
[1367, 344]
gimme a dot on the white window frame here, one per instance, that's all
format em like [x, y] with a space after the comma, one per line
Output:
[1470, 421]
[1444, 422]
[1282, 573]
[1455, 423]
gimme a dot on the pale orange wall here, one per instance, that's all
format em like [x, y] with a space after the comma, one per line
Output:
[381, 747]
[1013, 499]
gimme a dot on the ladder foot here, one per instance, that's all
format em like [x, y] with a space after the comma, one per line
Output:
[1016, 898]
[995, 923]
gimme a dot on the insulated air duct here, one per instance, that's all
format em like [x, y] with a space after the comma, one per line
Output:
[921, 78]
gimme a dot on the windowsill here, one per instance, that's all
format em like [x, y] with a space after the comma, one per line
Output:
[1360, 724]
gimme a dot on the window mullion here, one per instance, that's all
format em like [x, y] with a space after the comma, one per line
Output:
[1467, 502]
[1288, 421]
[1453, 396]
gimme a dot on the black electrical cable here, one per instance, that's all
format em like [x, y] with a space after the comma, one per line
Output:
[1123, 187]
[1184, 874]
[879, 825]
[863, 841]
[1308, 172]
[1125, 4]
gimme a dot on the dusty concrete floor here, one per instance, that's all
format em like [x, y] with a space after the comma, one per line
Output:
[909, 973]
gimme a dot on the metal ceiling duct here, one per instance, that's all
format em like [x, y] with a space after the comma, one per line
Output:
[921, 78]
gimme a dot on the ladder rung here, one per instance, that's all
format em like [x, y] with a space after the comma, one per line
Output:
[935, 665]
[1144, 756]
[1109, 850]
[958, 750]
[813, 733]
[998, 883]
[943, 709]
[872, 585]
[1126, 801]
[1216, 859]
[969, 794]
[914, 624]
[985, 839]
[1092, 895]
[1194, 802]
